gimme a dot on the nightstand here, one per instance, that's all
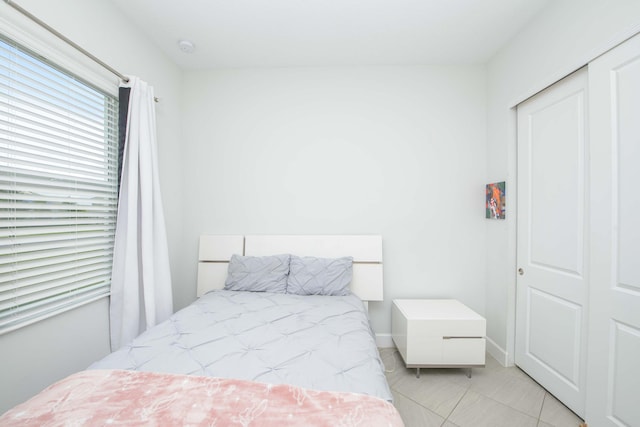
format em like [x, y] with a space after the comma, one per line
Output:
[438, 333]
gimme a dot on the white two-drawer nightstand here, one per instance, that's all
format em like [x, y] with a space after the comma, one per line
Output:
[438, 333]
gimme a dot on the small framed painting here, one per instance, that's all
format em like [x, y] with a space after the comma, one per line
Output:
[495, 205]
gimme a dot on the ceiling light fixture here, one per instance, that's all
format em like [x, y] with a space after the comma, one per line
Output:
[186, 46]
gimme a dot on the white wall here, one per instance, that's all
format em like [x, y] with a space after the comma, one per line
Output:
[564, 37]
[396, 151]
[400, 151]
[35, 356]
[39, 354]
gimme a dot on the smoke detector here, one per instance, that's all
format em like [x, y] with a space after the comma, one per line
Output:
[186, 46]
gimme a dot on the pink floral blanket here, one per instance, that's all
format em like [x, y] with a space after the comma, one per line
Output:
[114, 397]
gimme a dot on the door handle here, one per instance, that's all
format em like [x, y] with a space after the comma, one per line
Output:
[521, 271]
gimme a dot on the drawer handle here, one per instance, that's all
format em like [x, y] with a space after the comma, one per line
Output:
[461, 338]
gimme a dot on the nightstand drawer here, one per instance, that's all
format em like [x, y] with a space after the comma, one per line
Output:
[463, 351]
[454, 327]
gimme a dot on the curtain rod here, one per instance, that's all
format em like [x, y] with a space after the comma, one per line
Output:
[65, 39]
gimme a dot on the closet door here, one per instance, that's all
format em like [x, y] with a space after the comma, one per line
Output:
[552, 281]
[614, 340]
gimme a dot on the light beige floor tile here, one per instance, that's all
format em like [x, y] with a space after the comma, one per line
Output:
[395, 369]
[495, 395]
[384, 352]
[477, 374]
[399, 371]
[556, 414]
[476, 410]
[434, 393]
[516, 391]
[517, 372]
[393, 364]
[458, 376]
[415, 415]
[455, 375]
[491, 363]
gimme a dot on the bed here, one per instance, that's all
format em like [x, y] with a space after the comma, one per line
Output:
[246, 355]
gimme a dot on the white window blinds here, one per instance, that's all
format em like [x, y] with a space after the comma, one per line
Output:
[58, 189]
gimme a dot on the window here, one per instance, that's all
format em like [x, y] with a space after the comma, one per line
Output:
[58, 189]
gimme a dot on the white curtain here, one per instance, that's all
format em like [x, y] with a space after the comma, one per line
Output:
[141, 279]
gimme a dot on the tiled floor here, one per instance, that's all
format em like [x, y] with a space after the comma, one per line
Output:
[494, 396]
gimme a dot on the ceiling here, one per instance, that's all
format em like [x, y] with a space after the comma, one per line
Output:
[299, 33]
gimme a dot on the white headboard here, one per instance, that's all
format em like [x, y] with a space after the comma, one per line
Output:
[366, 250]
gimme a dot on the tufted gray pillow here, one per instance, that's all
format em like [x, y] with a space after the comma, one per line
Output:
[319, 276]
[258, 274]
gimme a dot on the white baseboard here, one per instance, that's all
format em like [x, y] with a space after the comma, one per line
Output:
[497, 352]
[384, 341]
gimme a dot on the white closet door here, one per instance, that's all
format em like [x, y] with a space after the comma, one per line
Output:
[614, 347]
[552, 289]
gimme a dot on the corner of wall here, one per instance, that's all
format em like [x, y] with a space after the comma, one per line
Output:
[498, 353]
[384, 340]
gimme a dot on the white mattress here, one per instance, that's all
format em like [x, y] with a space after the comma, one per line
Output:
[319, 342]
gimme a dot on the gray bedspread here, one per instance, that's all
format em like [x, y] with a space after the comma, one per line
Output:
[318, 342]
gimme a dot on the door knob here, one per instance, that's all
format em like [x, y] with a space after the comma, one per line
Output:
[521, 271]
